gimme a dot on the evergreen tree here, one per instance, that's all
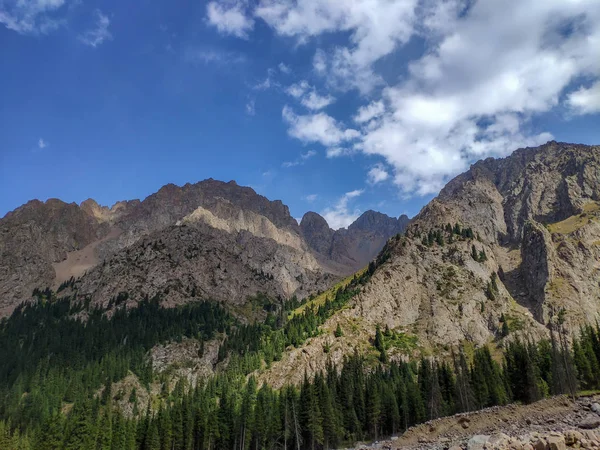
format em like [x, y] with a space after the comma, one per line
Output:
[338, 331]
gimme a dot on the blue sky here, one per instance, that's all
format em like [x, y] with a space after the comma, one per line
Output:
[336, 107]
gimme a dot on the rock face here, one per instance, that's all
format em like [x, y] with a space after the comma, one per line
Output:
[535, 214]
[532, 252]
[317, 233]
[356, 246]
[32, 238]
[217, 239]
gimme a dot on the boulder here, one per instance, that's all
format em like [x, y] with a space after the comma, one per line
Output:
[556, 443]
[590, 422]
[478, 442]
[572, 437]
[499, 441]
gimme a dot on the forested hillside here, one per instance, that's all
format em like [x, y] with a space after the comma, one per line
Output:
[61, 359]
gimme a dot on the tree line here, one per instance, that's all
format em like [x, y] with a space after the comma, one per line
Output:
[60, 359]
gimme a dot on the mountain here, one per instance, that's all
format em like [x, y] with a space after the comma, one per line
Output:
[216, 239]
[512, 241]
[206, 317]
[353, 247]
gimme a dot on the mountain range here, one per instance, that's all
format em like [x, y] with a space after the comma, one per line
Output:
[205, 316]
[218, 240]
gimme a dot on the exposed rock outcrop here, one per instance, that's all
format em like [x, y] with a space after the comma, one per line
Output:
[356, 246]
[537, 267]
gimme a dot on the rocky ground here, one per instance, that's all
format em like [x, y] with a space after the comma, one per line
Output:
[558, 423]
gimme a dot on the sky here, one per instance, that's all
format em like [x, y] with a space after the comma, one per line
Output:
[330, 106]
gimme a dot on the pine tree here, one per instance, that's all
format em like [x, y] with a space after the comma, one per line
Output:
[374, 409]
[50, 436]
[152, 441]
[338, 331]
[380, 345]
[80, 429]
[310, 414]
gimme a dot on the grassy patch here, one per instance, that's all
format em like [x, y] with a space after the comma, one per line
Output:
[401, 341]
[329, 293]
[588, 393]
[514, 323]
[576, 222]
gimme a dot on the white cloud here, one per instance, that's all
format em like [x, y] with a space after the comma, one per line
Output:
[340, 215]
[377, 174]
[99, 34]
[376, 28]
[42, 144]
[284, 68]
[297, 90]
[32, 16]
[320, 62]
[311, 198]
[315, 101]
[585, 100]
[334, 152]
[369, 112]
[268, 82]
[308, 96]
[301, 160]
[251, 108]
[488, 69]
[216, 56]
[309, 154]
[318, 127]
[229, 17]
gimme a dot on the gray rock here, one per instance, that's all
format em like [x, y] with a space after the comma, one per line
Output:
[589, 423]
[478, 442]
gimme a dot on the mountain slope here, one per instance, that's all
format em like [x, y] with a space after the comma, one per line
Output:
[513, 240]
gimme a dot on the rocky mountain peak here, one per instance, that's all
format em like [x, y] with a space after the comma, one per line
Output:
[379, 223]
[316, 232]
[353, 247]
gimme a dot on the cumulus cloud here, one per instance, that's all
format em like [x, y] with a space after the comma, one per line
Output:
[230, 17]
[100, 33]
[341, 215]
[32, 16]
[376, 28]
[488, 69]
[42, 144]
[318, 127]
[585, 100]
[377, 174]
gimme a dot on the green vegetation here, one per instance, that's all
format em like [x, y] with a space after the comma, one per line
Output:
[61, 357]
[445, 235]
